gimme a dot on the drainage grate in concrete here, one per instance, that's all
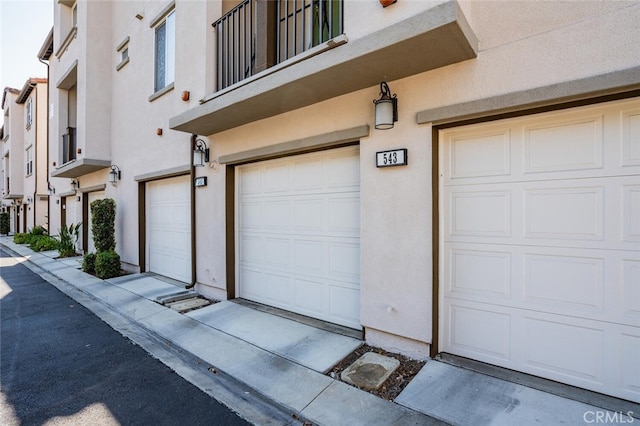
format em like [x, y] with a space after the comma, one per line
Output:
[370, 371]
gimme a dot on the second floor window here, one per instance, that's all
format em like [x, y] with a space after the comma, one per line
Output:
[165, 52]
[29, 161]
[29, 113]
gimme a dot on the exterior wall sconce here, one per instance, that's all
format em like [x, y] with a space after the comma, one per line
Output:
[185, 95]
[114, 175]
[200, 152]
[75, 184]
[50, 188]
[29, 200]
[386, 108]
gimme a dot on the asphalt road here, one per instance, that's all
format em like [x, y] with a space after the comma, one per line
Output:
[62, 365]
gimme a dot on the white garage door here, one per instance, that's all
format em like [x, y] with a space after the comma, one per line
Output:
[168, 228]
[93, 196]
[299, 234]
[540, 261]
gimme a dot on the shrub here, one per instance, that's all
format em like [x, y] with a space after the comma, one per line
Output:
[43, 243]
[68, 239]
[89, 263]
[38, 230]
[20, 238]
[103, 218]
[4, 223]
[107, 264]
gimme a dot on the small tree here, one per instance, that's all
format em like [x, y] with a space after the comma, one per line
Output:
[106, 262]
[4, 223]
[103, 219]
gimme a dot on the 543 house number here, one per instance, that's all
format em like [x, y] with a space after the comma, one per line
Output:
[394, 157]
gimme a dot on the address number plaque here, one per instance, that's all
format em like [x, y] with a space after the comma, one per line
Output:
[394, 157]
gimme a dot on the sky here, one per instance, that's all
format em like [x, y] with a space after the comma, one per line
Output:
[24, 25]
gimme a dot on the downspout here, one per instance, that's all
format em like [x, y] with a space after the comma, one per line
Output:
[47, 156]
[193, 214]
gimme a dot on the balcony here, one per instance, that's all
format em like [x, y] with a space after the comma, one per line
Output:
[72, 166]
[254, 89]
[69, 145]
[256, 35]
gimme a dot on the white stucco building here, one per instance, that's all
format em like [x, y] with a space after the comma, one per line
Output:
[510, 236]
[25, 193]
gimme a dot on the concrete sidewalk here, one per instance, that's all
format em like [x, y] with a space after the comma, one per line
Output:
[285, 361]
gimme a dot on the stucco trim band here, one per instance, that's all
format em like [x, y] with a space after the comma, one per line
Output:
[298, 146]
[612, 83]
[162, 174]
[93, 188]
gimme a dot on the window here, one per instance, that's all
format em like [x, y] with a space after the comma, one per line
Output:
[165, 52]
[123, 52]
[29, 161]
[29, 112]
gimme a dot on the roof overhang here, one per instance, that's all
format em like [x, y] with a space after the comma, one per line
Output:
[80, 167]
[28, 87]
[46, 50]
[434, 38]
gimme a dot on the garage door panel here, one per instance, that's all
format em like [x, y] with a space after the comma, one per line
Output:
[298, 241]
[630, 372]
[580, 344]
[540, 260]
[480, 273]
[344, 215]
[490, 340]
[631, 212]
[344, 261]
[630, 122]
[567, 281]
[494, 159]
[631, 284]
[342, 172]
[564, 213]
[573, 144]
[486, 214]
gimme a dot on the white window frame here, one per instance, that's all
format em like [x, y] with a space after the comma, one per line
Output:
[167, 66]
[29, 161]
[29, 113]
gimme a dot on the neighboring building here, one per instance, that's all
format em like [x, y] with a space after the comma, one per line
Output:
[35, 204]
[24, 146]
[509, 237]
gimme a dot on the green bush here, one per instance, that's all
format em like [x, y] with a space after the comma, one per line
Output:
[21, 238]
[38, 230]
[107, 264]
[43, 243]
[89, 263]
[103, 219]
[4, 223]
[68, 239]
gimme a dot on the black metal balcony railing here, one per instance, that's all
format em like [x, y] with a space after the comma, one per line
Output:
[69, 145]
[256, 35]
[235, 44]
[303, 24]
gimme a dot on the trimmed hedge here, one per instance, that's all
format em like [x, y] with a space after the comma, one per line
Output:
[89, 263]
[103, 219]
[107, 264]
[4, 223]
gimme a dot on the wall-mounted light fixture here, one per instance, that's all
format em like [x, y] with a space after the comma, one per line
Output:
[75, 184]
[114, 175]
[386, 108]
[29, 200]
[200, 152]
[50, 188]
